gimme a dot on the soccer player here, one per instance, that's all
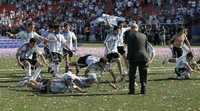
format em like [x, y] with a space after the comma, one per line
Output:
[120, 46]
[183, 68]
[177, 42]
[151, 53]
[71, 40]
[84, 61]
[25, 58]
[26, 35]
[66, 83]
[98, 68]
[179, 45]
[112, 54]
[56, 43]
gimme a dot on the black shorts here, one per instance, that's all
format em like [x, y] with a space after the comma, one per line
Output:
[45, 85]
[121, 50]
[112, 56]
[177, 52]
[31, 61]
[82, 61]
[67, 52]
[56, 57]
[47, 53]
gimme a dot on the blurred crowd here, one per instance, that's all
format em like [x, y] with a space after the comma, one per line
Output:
[168, 14]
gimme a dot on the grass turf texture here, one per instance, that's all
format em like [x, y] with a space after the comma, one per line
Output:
[163, 93]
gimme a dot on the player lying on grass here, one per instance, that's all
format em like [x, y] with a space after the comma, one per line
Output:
[27, 57]
[183, 66]
[66, 83]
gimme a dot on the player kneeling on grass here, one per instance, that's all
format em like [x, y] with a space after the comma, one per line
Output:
[98, 68]
[27, 57]
[183, 68]
[66, 83]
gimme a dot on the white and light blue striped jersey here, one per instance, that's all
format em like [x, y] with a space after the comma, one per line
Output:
[111, 43]
[150, 51]
[70, 37]
[25, 52]
[91, 60]
[181, 62]
[25, 36]
[56, 43]
[121, 36]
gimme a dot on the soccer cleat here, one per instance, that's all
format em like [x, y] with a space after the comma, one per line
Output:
[143, 90]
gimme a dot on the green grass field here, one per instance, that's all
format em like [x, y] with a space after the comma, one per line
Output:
[163, 94]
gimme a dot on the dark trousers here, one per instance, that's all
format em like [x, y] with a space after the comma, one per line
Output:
[132, 74]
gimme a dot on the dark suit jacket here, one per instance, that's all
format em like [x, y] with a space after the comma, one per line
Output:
[137, 43]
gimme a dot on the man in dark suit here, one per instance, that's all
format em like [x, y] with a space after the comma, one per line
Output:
[137, 57]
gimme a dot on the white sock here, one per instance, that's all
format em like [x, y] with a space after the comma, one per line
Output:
[27, 70]
[36, 73]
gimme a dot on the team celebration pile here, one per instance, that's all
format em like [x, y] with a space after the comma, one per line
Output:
[49, 34]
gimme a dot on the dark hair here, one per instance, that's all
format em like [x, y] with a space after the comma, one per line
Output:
[189, 54]
[181, 29]
[29, 24]
[119, 23]
[32, 40]
[66, 24]
[115, 28]
[56, 25]
[103, 60]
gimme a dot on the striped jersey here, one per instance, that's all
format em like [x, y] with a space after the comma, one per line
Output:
[111, 43]
[70, 37]
[121, 36]
[25, 52]
[56, 42]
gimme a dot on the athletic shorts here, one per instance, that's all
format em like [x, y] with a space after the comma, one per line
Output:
[44, 87]
[121, 50]
[47, 53]
[56, 57]
[67, 52]
[82, 61]
[112, 56]
[31, 61]
[177, 52]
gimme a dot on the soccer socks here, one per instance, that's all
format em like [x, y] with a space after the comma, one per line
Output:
[66, 66]
[36, 73]
[27, 70]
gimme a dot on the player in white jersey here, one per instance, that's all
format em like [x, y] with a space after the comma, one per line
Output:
[98, 68]
[121, 46]
[66, 83]
[183, 68]
[25, 58]
[56, 43]
[71, 40]
[151, 53]
[25, 35]
[112, 54]
[84, 61]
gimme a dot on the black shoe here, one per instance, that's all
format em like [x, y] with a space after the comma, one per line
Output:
[143, 90]
[131, 93]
